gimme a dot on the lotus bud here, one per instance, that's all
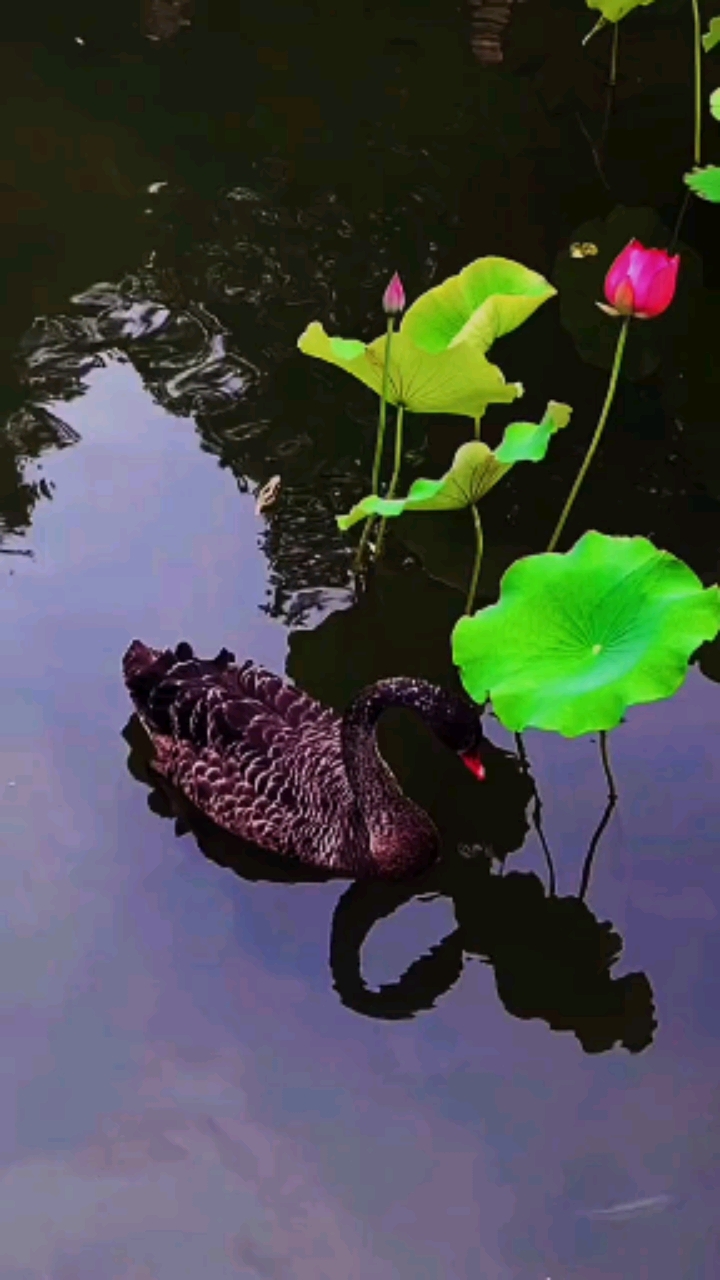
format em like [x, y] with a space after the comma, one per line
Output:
[394, 297]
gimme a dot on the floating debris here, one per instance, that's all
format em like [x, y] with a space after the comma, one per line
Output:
[268, 495]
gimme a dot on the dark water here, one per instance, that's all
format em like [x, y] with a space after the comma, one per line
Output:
[198, 1080]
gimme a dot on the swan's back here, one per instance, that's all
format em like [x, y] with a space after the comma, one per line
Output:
[256, 754]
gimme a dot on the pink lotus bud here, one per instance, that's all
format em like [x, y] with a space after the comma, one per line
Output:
[394, 297]
[641, 282]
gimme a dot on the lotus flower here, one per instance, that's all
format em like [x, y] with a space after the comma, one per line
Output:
[641, 282]
[394, 297]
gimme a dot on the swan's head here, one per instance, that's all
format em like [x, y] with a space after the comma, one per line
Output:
[458, 725]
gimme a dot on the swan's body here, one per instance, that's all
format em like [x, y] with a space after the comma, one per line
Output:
[272, 765]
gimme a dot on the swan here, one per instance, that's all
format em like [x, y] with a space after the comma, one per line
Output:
[270, 764]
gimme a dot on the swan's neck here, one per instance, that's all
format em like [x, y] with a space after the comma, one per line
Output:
[397, 828]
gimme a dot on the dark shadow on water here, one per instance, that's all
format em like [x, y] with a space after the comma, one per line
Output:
[551, 957]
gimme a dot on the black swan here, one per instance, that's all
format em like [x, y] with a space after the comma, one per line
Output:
[272, 765]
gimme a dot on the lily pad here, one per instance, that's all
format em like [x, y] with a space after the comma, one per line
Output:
[615, 10]
[438, 355]
[576, 639]
[705, 182]
[715, 104]
[580, 281]
[475, 469]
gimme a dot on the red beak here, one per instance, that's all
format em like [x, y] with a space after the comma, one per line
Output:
[474, 764]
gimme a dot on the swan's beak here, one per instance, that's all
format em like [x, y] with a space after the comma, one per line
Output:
[472, 761]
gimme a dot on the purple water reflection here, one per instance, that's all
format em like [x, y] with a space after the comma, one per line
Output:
[185, 1096]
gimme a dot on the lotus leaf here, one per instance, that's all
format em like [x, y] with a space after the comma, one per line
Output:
[438, 355]
[474, 471]
[615, 10]
[459, 380]
[577, 638]
[712, 35]
[489, 298]
[705, 182]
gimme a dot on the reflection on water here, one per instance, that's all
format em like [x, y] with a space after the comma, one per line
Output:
[186, 1094]
[258, 406]
[551, 957]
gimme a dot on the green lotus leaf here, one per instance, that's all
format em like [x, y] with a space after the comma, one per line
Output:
[528, 441]
[705, 182]
[712, 35]
[715, 102]
[474, 471]
[615, 10]
[460, 380]
[490, 297]
[577, 638]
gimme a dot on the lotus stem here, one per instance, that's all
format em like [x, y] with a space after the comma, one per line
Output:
[605, 757]
[679, 221]
[380, 438]
[607, 812]
[397, 463]
[697, 42]
[611, 84]
[476, 425]
[622, 337]
[601, 22]
[537, 816]
[478, 559]
[379, 444]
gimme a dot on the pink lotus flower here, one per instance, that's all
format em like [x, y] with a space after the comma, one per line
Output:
[641, 282]
[394, 297]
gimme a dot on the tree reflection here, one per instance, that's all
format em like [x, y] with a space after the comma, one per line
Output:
[211, 321]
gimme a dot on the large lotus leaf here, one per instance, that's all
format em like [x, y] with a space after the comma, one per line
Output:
[490, 297]
[705, 182]
[474, 471]
[460, 380]
[577, 638]
[580, 281]
[614, 10]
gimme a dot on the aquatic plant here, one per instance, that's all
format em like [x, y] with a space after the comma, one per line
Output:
[612, 11]
[705, 182]
[436, 363]
[640, 284]
[577, 638]
[475, 470]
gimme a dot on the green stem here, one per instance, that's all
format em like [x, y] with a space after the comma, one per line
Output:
[476, 425]
[379, 444]
[596, 438]
[478, 559]
[397, 463]
[380, 438]
[697, 139]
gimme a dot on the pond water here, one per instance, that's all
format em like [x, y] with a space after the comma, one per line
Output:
[198, 1079]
